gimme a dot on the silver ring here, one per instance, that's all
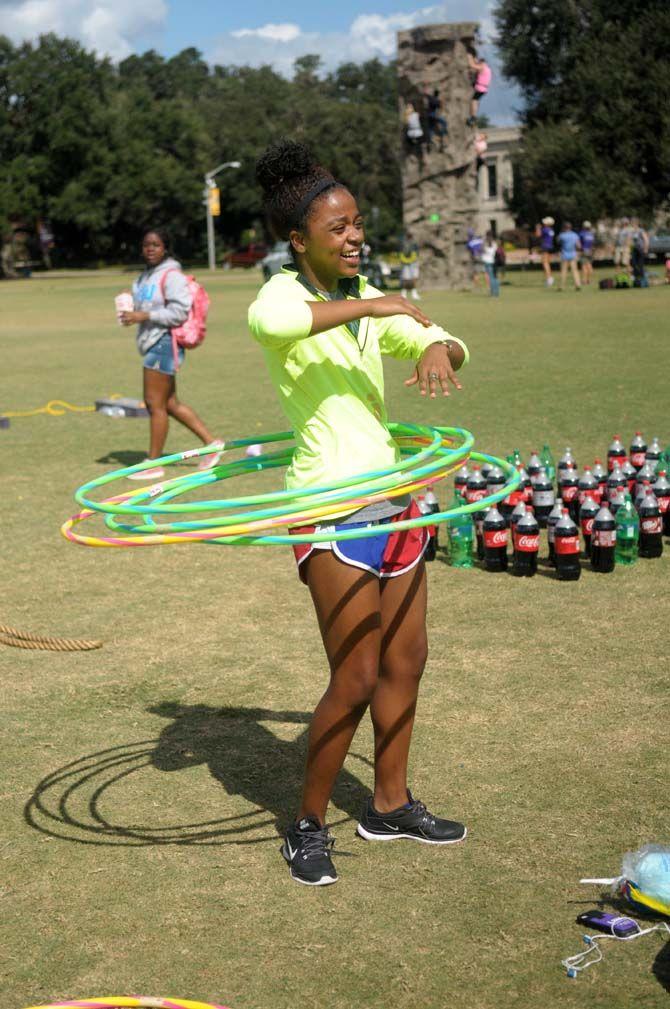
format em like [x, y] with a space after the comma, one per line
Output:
[433, 377]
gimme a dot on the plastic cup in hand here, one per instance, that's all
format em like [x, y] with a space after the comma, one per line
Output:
[123, 303]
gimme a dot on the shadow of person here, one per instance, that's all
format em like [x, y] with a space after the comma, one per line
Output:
[124, 457]
[661, 966]
[247, 758]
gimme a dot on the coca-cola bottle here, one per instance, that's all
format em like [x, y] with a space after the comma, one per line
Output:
[526, 486]
[526, 542]
[461, 480]
[662, 492]
[495, 479]
[495, 541]
[600, 474]
[534, 464]
[486, 469]
[519, 510]
[647, 472]
[508, 504]
[432, 507]
[587, 514]
[616, 453]
[637, 450]
[641, 493]
[478, 519]
[588, 485]
[476, 486]
[617, 500]
[568, 485]
[566, 545]
[429, 552]
[651, 527]
[552, 519]
[630, 474]
[654, 452]
[567, 461]
[603, 541]
[616, 481]
[543, 497]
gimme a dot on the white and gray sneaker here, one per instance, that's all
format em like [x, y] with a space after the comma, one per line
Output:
[307, 848]
[411, 821]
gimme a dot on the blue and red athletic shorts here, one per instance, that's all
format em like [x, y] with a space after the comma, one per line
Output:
[385, 555]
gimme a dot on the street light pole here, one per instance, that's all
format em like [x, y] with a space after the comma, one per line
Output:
[209, 184]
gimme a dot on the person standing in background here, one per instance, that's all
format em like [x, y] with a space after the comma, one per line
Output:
[568, 243]
[409, 267]
[587, 240]
[547, 247]
[639, 242]
[489, 251]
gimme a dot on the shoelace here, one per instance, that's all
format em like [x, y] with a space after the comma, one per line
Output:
[316, 843]
[427, 819]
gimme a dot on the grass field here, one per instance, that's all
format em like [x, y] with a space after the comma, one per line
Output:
[145, 783]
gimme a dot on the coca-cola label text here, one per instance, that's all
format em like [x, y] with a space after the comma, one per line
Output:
[527, 543]
[604, 538]
[611, 459]
[587, 525]
[566, 545]
[637, 459]
[569, 493]
[652, 525]
[663, 504]
[475, 495]
[543, 498]
[495, 538]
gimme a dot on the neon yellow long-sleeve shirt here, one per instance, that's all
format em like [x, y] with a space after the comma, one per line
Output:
[331, 385]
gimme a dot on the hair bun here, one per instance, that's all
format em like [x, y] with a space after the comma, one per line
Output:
[282, 162]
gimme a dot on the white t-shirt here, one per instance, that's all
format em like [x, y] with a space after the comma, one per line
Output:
[489, 253]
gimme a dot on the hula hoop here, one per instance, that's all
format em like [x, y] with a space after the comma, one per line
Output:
[125, 1002]
[427, 456]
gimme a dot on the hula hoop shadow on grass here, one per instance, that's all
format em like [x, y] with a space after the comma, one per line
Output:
[240, 752]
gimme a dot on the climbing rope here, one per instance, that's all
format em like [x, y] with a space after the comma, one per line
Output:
[22, 639]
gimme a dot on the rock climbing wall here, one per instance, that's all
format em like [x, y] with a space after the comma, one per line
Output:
[439, 187]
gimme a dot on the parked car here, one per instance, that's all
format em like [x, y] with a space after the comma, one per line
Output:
[278, 255]
[659, 242]
[246, 256]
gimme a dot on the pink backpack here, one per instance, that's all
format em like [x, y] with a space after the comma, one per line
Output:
[193, 330]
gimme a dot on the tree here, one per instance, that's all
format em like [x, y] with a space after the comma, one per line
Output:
[596, 111]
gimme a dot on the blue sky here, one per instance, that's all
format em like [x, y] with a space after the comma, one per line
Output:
[253, 32]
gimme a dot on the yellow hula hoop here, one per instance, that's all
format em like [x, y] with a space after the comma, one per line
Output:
[129, 1002]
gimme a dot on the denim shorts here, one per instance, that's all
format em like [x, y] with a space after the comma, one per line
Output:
[160, 357]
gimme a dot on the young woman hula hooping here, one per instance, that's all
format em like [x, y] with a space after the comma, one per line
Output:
[323, 330]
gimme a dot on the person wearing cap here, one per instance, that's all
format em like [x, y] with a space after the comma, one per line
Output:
[547, 247]
[587, 240]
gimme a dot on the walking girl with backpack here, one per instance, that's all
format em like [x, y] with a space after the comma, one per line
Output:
[323, 330]
[162, 301]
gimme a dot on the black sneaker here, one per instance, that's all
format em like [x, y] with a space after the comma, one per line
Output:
[412, 821]
[306, 848]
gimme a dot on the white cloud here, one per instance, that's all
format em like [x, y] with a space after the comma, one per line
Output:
[277, 33]
[110, 27]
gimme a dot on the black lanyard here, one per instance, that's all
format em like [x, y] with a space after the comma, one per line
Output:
[346, 288]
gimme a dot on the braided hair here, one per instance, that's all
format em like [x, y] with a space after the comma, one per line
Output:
[291, 180]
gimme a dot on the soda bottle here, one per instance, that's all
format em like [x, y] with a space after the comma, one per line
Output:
[616, 481]
[567, 461]
[641, 494]
[544, 498]
[654, 452]
[526, 541]
[647, 472]
[476, 486]
[432, 507]
[495, 479]
[587, 513]
[600, 474]
[526, 485]
[461, 480]
[589, 485]
[429, 552]
[566, 546]
[486, 469]
[478, 519]
[568, 485]
[460, 535]
[519, 511]
[651, 527]
[617, 500]
[630, 474]
[603, 541]
[627, 533]
[547, 460]
[495, 541]
[534, 464]
[662, 492]
[637, 450]
[552, 519]
[615, 453]
[516, 457]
